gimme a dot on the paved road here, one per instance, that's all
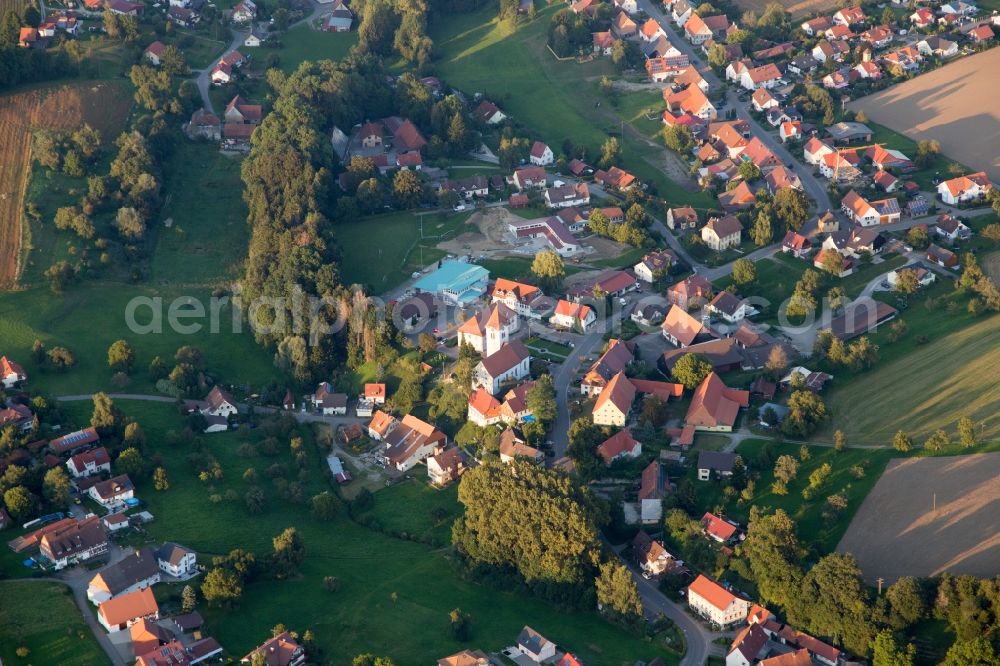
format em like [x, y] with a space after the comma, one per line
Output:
[562, 378]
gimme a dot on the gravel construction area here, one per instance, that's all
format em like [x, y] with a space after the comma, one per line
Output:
[899, 532]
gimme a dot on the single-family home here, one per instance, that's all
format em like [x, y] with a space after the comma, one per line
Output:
[923, 17]
[751, 646]
[447, 466]
[517, 296]
[567, 195]
[849, 16]
[963, 189]
[796, 244]
[282, 650]
[715, 406]
[680, 12]
[682, 218]
[764, 76]
[782, 178]
[939, 47]
[466, 658]
[762, 100]
[245, 11]
[653, 487]
[176, 560]
[326, 401]
[690, 292]
[922, 273]
[381, 425]
[534, 646]
[541, 154]
[513, 445]
[803, 64]
[17, 415]
[718, 529]
[866, 213]
[650, 554]
[510, 363]
[615, 178]
[941, 256]
[738, 198]
[951, 228]
[154, 53]
[111, 494]
[878, 37]
[11, 373]
[730, 307]
[488, 113]
[654, 265]
[624, 27]
[89, 463]
[816, 26]
[136, 571]
[619, 446]
[120, 613]
[722, 233]
[411, 441]
[681, 329]
[691, 100]
[618, 356]
[570, 315]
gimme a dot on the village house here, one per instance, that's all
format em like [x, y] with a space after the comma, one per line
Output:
[374, 393]
[849, 16]
[653, 487]
[841, 167]
[73, 542]
[738, 198]
[154, 53]
[867, 213]
[489, 329]
[719, 530]
[122, 612]
[573, 316]
[765, 76]
[245, 11]
[11, 374]
[730, 307]
[650, 555]
[74, 440]
[816, 26]
[113, 493]
[326, 401]
[412, 441]
[938, 47]
[965, 189]
[517, 296]
[484, 409]
[796, 244]
[566, 195]
[855, 242]
[510, 363]
[134, 572]
[624, 27]
[529, 178]
[885, 181]
[89, 463]
[951, 228]
[176, 560]
[654, 266]
[690, 292]
[680, 12]
[829, 260]
[541, 154]
[18, 416]
[466, 658]
[204, 124]
[534, 646]
[154, 645]
[614, 402]
[282, 650]
[924, 275]
[782, 178]
[942, 257]
[619, 446]
[715, 406]
[381, 425]
[615, 178]
[513, 445]
[715, 603]
[650, 31]
[691, 100]
[681, 329]
[720, 234]
[488, 113]
[762, 100]
[616, 358]
[447, 466]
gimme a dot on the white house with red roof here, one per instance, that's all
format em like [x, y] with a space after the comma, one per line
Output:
[517, 296]
[510, 363]
[11, 373]
[715, 603]
[490, 329]
[619, 446]
[765, 76]
[964, 189]
[89, 463]
[541, 154]
[849, 16]
[719, 529]
[573, 316]
[154, 52]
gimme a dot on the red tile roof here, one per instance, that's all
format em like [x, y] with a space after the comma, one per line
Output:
[620, 392]
[715, 404]
[618, 444]
[712, 592]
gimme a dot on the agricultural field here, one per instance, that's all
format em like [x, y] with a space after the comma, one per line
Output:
[104, 105]
[16, 6]
[513, 66]
[956, 104]
[395, 593]
[926, 516]
[42, 617]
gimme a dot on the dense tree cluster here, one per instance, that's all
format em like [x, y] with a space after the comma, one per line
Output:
[535, 522]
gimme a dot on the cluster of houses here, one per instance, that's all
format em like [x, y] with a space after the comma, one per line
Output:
[391, 143]
[531, 647]
[55, 23]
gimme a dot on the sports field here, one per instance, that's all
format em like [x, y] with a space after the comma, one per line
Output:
[926, 516]
[958, 104]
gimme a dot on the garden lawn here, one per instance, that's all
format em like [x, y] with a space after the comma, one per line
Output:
[626, 259]
[302, 43]
[89, 317]
[200, 50]
[555, 100]
[395, 594]
[382, 251]
[42, 617]
[412, 508]
[208, 235]
[854, 284]
[813, 530]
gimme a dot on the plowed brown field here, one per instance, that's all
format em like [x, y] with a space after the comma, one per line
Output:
[103, 105]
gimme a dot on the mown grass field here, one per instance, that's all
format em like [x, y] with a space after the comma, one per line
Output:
[396, 594]
[43, 618]
[302, 43]
[382, 251]
[208, 235]
[919, 388]
[557, 100]
[89, 317]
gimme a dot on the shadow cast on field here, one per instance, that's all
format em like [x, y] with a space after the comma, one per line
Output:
[926, 516]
